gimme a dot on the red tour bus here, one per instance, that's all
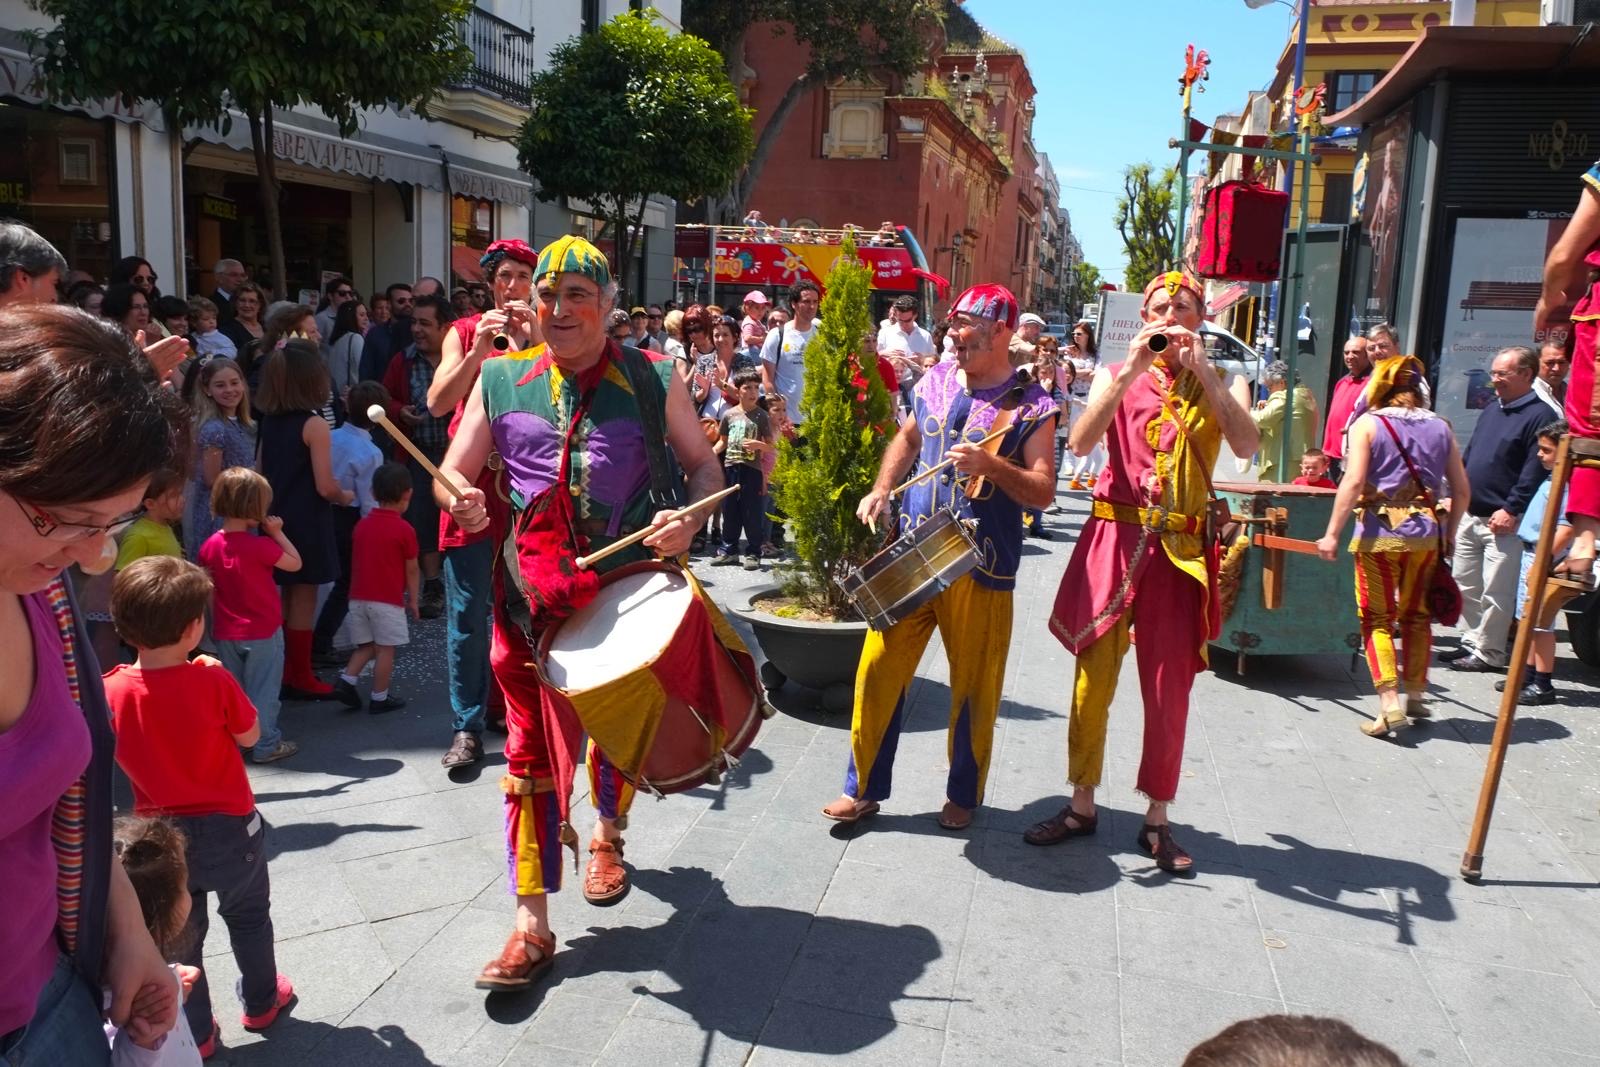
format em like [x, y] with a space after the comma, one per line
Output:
[773, 258]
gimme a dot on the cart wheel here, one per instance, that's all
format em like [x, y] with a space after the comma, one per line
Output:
[838, 697]
[771, 677]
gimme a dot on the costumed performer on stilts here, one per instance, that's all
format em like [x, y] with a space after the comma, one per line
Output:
[1572, 274]
[956, 404]
[568, 428]
[1145, 558]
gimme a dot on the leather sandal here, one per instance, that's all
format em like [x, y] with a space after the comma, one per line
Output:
[1057, 828]
[954, 817]
[855, 812]
[1166, 852]
[514, 969]
[605, 880]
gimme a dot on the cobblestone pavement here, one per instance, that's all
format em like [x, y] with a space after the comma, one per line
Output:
[757, 933]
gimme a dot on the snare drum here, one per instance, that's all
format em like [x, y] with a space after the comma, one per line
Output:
[657, 677]
[921, 564]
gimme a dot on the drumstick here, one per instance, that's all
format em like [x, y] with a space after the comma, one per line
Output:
[381, 417]
[634, 538]
[931, 471]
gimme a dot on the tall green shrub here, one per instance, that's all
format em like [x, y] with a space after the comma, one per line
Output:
[849, 420]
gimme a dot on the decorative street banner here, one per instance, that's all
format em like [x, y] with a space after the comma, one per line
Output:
[774, 264]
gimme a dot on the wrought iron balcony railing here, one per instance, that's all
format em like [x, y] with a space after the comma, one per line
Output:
[502, 56]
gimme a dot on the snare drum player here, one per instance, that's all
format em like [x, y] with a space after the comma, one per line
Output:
[1143, 559]
[568, 397]
[956, 404]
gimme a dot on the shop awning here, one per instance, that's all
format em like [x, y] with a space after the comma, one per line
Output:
[464, 263]
[1491, 51]
[485, 181]
[19, 77]
[294, 140]
[1227, 298]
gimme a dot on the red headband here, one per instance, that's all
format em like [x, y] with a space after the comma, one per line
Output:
[1172, 281]
[509, 249]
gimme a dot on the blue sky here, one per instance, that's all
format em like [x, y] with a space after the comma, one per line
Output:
[1107, 76]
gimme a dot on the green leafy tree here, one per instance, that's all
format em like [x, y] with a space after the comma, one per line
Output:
[849, 420]
[632, 110]
[1144, 218]
[196, 60]
[1081, 285]
[842, 39]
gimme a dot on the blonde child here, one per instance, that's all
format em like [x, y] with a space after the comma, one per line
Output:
[225, 436]
[203, 332]
[152, 852]
[247, 612]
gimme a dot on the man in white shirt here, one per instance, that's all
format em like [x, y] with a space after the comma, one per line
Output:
[905, 344]
[783, 361]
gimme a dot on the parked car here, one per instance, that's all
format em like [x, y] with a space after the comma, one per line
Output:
[1233, 355]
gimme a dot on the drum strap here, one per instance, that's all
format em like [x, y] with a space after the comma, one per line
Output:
[665, 484]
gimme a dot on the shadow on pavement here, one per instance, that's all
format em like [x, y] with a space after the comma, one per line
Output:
[304, 836]
[324, 1042]
[727, 965]
[754, 762]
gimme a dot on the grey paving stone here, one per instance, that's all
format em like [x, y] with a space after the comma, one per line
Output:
[1501, 1004]
[570, 1022]
[307, 899]
[1499, 1052]
[780, 867]
[643, 1040]
[799, 1033]
[903, 972]
[1205, 952]
[1048, 1005]
[1354, 981]
[912, 844]
[1016, 924]
[870, 894]
[403, 935]
[397, 883]
[1163, 1020]
[966, 1050]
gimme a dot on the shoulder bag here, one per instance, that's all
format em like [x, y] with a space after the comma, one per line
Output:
[1444, 596]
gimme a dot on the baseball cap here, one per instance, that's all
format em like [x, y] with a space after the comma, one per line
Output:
[638, 311]
[755, 296]
[1028, 317]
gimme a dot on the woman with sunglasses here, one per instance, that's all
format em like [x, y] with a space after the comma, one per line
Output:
[83, 426]
[1084, 358]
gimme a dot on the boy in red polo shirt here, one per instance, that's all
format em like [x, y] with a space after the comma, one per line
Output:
[179, 725]
[383, 552]
[1314, 470]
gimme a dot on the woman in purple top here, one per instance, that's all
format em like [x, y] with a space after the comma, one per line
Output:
[83, 425]
[1400, 461]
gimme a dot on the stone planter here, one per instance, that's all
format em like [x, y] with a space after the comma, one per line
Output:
[818, 655]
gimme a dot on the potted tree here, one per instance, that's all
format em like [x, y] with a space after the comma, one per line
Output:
[807, 626]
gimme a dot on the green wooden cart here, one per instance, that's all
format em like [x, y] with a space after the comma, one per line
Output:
[1317, 614]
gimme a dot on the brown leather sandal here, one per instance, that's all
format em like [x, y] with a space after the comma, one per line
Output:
[605, 880]
[514, 969]
[1169, 856]
[1057, 828]
[954, 817]
[854, 812]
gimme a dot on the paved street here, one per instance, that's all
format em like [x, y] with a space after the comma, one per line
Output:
[755, 933]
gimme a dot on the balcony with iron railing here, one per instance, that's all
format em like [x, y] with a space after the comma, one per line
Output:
[502, 56]
[492, 95]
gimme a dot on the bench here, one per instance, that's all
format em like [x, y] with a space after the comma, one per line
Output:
[1500, 296]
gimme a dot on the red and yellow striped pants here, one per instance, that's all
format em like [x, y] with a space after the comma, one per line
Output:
[1392, 598]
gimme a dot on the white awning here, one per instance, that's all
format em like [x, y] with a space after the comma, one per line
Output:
[361, 155]
[484, 181]
[19, 76]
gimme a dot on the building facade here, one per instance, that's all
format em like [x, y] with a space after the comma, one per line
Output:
[410, 194]
[947, 152]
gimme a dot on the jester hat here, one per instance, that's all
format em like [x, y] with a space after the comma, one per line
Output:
[503, 250]
[1172, 281]
[988, 301]
[1388, 376]
[572, 254]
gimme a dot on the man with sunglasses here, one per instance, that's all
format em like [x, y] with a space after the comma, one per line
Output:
[337, 292]
[384, 339]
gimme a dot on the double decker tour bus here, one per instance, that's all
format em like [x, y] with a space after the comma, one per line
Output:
[719, 264]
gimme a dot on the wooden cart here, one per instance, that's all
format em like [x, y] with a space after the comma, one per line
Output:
[1289, 601]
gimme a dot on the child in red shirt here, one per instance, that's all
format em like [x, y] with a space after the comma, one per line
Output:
[384, 571]
[247, 621]
[1314, 470]
[178, 725]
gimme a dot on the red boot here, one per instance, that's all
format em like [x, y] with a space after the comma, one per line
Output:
[299, 683]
